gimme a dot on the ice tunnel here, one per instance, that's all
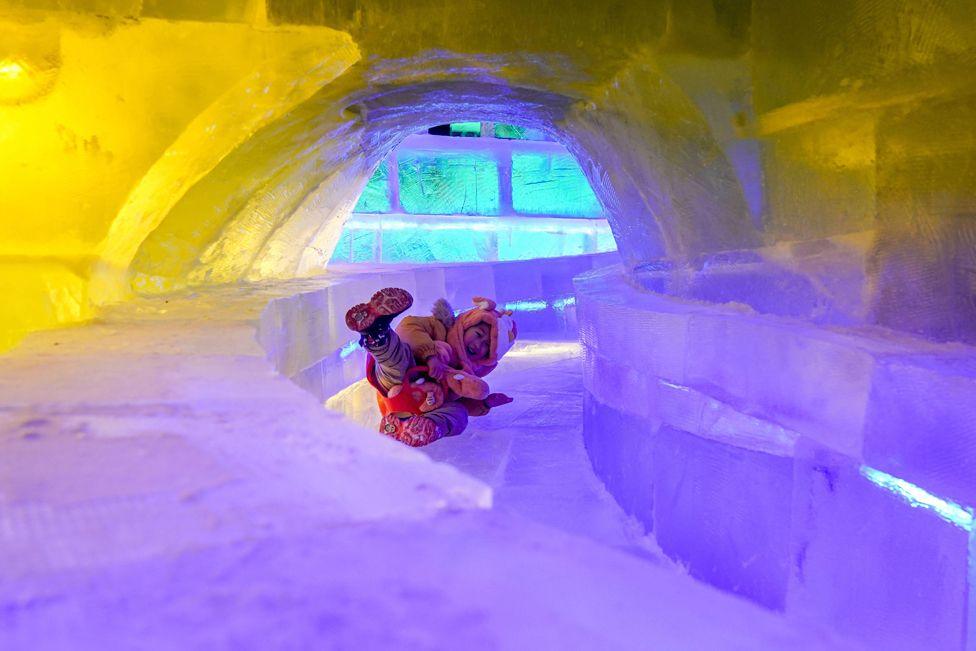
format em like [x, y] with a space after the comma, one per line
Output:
[738, 241]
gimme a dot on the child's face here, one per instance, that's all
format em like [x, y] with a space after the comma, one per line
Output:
[476, 341]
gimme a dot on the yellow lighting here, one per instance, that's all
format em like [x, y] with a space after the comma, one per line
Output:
[20, 81]
[12, 70]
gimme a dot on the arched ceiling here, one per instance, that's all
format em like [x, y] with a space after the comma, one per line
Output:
[647, 149]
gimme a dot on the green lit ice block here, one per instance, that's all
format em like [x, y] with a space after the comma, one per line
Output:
[376, 195]
[467, 129]
[424, 246]
[448, 183]
[521, 245]
[551, 184]
[512, 132]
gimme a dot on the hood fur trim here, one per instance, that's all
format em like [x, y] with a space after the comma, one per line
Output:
[443, 312]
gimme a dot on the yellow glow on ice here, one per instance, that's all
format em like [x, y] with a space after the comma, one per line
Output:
[193, 142]
[11, 70]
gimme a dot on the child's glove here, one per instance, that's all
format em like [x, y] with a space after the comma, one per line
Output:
[439, 364]
[466, 385]
[497, 400]
[436, 368]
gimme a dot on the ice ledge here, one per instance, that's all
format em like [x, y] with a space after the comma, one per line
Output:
[163, 427]
[898, 403]
[791, 463]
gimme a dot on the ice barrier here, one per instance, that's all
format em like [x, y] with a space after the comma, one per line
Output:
[824, 472]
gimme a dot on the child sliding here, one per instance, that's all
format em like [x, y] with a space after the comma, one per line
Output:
[427, 372]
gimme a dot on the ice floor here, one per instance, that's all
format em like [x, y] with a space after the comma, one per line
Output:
[531, 453]
[162, 488]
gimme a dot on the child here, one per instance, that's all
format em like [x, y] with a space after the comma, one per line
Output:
[448, 348]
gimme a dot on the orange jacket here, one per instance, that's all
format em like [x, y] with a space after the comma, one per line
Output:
[420, 333]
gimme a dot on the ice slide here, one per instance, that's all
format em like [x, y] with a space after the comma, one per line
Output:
[170, 480]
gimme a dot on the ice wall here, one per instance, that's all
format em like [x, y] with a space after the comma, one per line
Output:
[437, 199]
[119, 118]
[819, 470]
[703, 126]
[865, 123]
[163, 144]
[159, 160]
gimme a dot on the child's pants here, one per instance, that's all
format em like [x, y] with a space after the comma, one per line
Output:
[393, 360]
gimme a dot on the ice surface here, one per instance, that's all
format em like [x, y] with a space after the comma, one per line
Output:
[429, 239]
[871, 564]
[621, 448]
[158, 431]
[483, 582]
[483, 176]
[551, 183]
[717, 497]
[724, 512]
[817, 382]
[532, 454]
[448, 183]
[235, 512]
[376, 194]
[440, 200]
[823, 472]
[922, 423]
[821, 281]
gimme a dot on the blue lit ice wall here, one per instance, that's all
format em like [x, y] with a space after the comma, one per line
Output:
[426, 238]
[507, 196]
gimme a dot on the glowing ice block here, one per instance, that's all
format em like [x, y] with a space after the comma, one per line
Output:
[872, 563]
[401, 238]
[724, 512]
[921, 422]
[513, 132]
[376, 194]
[551, 184]
[448, 183]
[423, 246]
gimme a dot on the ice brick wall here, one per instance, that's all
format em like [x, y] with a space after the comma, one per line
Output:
[440, 199]
[822, 471]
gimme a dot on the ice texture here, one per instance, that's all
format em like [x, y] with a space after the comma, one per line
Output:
[724, 512]
[156, 473]
[496, 200]
[448, 183]
[921, 422]
[870, 565]
[823, 472]
[406, 239]
[836, 132]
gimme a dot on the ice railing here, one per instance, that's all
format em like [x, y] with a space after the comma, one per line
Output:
[823, 471]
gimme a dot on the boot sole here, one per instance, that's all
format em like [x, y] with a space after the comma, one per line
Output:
[386, 303]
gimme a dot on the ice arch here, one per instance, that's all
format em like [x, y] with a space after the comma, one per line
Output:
[274, 204]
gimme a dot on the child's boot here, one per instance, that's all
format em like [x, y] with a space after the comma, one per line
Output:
[415, 431]
[372, 319]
